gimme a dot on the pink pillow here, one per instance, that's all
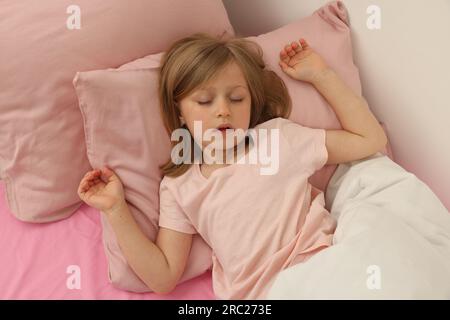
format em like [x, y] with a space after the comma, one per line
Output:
[327, 31]
[42, 150]
[124, 128]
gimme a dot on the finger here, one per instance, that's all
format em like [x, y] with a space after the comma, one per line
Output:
[82, 189]
[87, 185]
[108, 174]
[90, 181]
[87, 194]
[289, 50]
[82, 183]
[82, 192]
[93, 183]
[304, 43]
[297, 47]
[87, 179]
[84, 186]
[88, 176]
[90, 172]
[284, 56]
[95, 174]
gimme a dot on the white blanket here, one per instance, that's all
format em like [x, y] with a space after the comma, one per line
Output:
[392, 239]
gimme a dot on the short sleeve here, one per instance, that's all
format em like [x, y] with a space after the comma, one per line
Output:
[308, 144]
[171, 216]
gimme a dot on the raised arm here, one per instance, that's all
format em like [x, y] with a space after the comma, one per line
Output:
[362, 135]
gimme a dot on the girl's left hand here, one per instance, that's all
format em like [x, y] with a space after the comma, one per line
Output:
[301, 62]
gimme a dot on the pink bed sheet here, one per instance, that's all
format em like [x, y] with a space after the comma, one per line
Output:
[34, 261]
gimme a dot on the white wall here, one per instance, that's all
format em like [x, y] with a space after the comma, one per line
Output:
[404, 68]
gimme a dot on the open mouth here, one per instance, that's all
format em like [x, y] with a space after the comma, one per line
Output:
[224, 127]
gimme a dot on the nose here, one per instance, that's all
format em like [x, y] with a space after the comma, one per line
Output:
[223, 109]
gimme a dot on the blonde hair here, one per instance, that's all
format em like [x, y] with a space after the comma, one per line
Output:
[191, 61]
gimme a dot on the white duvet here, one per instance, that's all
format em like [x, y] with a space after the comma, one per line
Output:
[392, 239]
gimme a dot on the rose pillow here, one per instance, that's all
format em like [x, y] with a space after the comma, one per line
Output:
[42, 45]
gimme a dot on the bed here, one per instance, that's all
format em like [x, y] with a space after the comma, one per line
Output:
[65, 259]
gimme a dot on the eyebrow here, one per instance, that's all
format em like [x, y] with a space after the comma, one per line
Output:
[231, 87]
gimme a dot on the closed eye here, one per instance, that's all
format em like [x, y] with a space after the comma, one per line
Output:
[208, 102]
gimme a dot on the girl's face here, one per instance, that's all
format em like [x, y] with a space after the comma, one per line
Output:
[225, 99]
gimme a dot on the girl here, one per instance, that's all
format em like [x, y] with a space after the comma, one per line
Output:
[256, 225]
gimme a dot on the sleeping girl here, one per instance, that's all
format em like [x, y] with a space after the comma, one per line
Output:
[256, 224]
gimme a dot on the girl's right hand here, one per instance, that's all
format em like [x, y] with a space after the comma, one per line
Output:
[101, 189]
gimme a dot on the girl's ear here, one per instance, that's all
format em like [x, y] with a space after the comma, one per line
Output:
[180, 117]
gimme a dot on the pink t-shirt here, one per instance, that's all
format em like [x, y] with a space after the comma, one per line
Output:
[256, 224]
